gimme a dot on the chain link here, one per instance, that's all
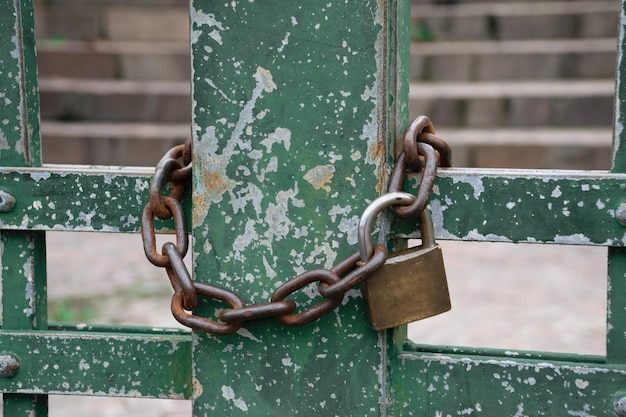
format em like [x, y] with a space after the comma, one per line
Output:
[422, 151]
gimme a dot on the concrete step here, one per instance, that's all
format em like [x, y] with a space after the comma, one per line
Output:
[103, 39]
[516, 104]
[515, 20]
[515, 47]
[112, 21]
[437, 8]
[504, 89]
[564, 137]
[510, 60]
[131, 144]
[144, 131]
[115, 100]
[150, 3]
[524, 148]
[115, 60]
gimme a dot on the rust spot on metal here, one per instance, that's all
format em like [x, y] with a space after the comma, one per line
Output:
[377, 153]
[214, 183]
[200, 208]
[9, 365]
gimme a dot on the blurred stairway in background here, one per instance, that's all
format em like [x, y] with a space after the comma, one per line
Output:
[508, 83]
[114, 79]
[517, 84]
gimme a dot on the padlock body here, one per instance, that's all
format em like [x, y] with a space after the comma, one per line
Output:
[410, 286]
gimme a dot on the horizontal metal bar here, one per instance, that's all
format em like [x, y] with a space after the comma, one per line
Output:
[102, 364]
[503, 205]
[445, 384]
[119, 328]
[77, 198]
[565, 207]
[503, 354]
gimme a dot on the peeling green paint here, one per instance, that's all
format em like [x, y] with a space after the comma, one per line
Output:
[562, 207]
[103, 364]
[19, 103]
[290, 123]
[23, 263]
[450, 384]
[296, 108]
[61, 198]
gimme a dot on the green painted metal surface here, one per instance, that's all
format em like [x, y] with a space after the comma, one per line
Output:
[448, 384]
[290, 124]
[22, 254]
[105, 364]
[619, 145]
[562, 207]
[23, 277]
[538, 206]
[19, 108]
[64, 198]
[616, 319]
[297, 107]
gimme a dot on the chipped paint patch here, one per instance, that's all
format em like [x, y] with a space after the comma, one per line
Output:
[199, 19]
[213, 166]
[575, 239]
[197, 388]
[272, 216]
[475, 181]
[229, 395]
[4, 142]
[618, 132]
[320, 176]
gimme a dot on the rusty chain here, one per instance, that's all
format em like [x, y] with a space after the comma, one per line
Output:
[422, 151]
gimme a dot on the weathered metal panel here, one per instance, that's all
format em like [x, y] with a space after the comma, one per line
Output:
[563, 207]
[616, 304]
[619, 135]
[290, 127]
[19, 108]
[103, 364]
[60, 198]
[23, 278]
[524, 206]
[616, 307]
[22, 254]
[450, 384]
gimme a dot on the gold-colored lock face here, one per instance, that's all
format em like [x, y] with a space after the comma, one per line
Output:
[410, 286]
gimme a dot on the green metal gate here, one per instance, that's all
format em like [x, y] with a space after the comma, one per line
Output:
[297, 108]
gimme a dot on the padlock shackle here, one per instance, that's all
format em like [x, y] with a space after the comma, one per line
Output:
[396, 198]
[427, 230]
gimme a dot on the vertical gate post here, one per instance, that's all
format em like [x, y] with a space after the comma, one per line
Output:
[22, 253]
[292, 107]
[616, 313]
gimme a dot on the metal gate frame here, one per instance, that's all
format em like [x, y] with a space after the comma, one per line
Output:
[335, 367]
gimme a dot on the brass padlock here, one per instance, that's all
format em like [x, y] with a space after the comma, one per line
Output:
[411, 285]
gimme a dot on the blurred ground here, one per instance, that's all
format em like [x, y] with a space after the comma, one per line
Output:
[534, 297]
